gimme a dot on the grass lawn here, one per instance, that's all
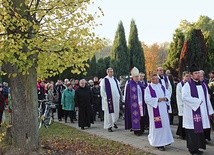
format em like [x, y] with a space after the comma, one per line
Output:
[64, 139]
[60, 139]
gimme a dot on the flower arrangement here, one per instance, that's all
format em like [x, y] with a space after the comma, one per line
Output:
[211, 86]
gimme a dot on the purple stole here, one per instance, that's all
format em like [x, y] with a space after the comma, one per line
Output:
[197, 120]
[135, 110]
[109, 95]
[166, 81]
[182, 83]
[156, 112]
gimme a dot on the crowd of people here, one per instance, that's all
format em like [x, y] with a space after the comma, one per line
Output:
[4, 100]
[142, 104]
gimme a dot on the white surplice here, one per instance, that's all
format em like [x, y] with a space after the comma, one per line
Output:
[158, 136]
[169, 88]
[193, 103]
[110, 118]
[180, 104]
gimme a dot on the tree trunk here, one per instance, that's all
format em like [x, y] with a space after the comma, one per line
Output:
[25, 134]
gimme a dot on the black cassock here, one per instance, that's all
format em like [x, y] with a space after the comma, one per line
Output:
[195, 140]
[83, 100]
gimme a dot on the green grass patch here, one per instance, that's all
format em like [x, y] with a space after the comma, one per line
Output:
[60, 137]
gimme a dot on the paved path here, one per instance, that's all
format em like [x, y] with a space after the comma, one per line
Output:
[127, 137]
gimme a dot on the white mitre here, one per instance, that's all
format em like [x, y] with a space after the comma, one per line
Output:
[134, 72]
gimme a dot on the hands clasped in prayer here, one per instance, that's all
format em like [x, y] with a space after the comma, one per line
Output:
[162, 99]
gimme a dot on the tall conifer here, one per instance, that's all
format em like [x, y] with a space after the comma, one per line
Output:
[137, 58]
[194, 52]
[174, 52]
[119, 53]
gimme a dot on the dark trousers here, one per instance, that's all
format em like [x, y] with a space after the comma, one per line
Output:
[59, 111]
[70, 114]
[207, 133]
[171, 118]
[180, 130]
[1, 114]
[97, 108]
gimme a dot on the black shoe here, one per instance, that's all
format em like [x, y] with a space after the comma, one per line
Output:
[60, 120]
[198, 152]
[115, 126]
[82, 128]
[162, 148]
[137, 134]
[110, 130]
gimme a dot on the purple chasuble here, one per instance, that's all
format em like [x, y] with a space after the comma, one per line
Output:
[109, 95]
[156, 112]
[197, 119]
[135, 109]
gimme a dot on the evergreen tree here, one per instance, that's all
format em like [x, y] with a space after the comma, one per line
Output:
[206, 25]
[92, 70]
[102, 65]
[137, 57]
[119, 53]
[194, 51]
[174, 51]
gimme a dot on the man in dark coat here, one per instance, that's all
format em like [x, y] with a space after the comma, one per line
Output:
[83, 100]
[97, 106]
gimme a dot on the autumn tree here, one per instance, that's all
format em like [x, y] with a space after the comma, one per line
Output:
[151, 57]
[172, 61]
[162, 53]
[137, 57]
[119, 53]
[41, 38]
[194, 52]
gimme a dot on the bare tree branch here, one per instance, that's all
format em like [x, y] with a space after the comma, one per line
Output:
[31, 3]
[37, 4]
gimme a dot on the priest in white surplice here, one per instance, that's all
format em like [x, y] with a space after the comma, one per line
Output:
[180, 130]
[157, 99]
[196, 112]
[110, 93]
[164, 80]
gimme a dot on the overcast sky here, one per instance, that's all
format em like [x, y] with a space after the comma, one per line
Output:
[156, 20]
